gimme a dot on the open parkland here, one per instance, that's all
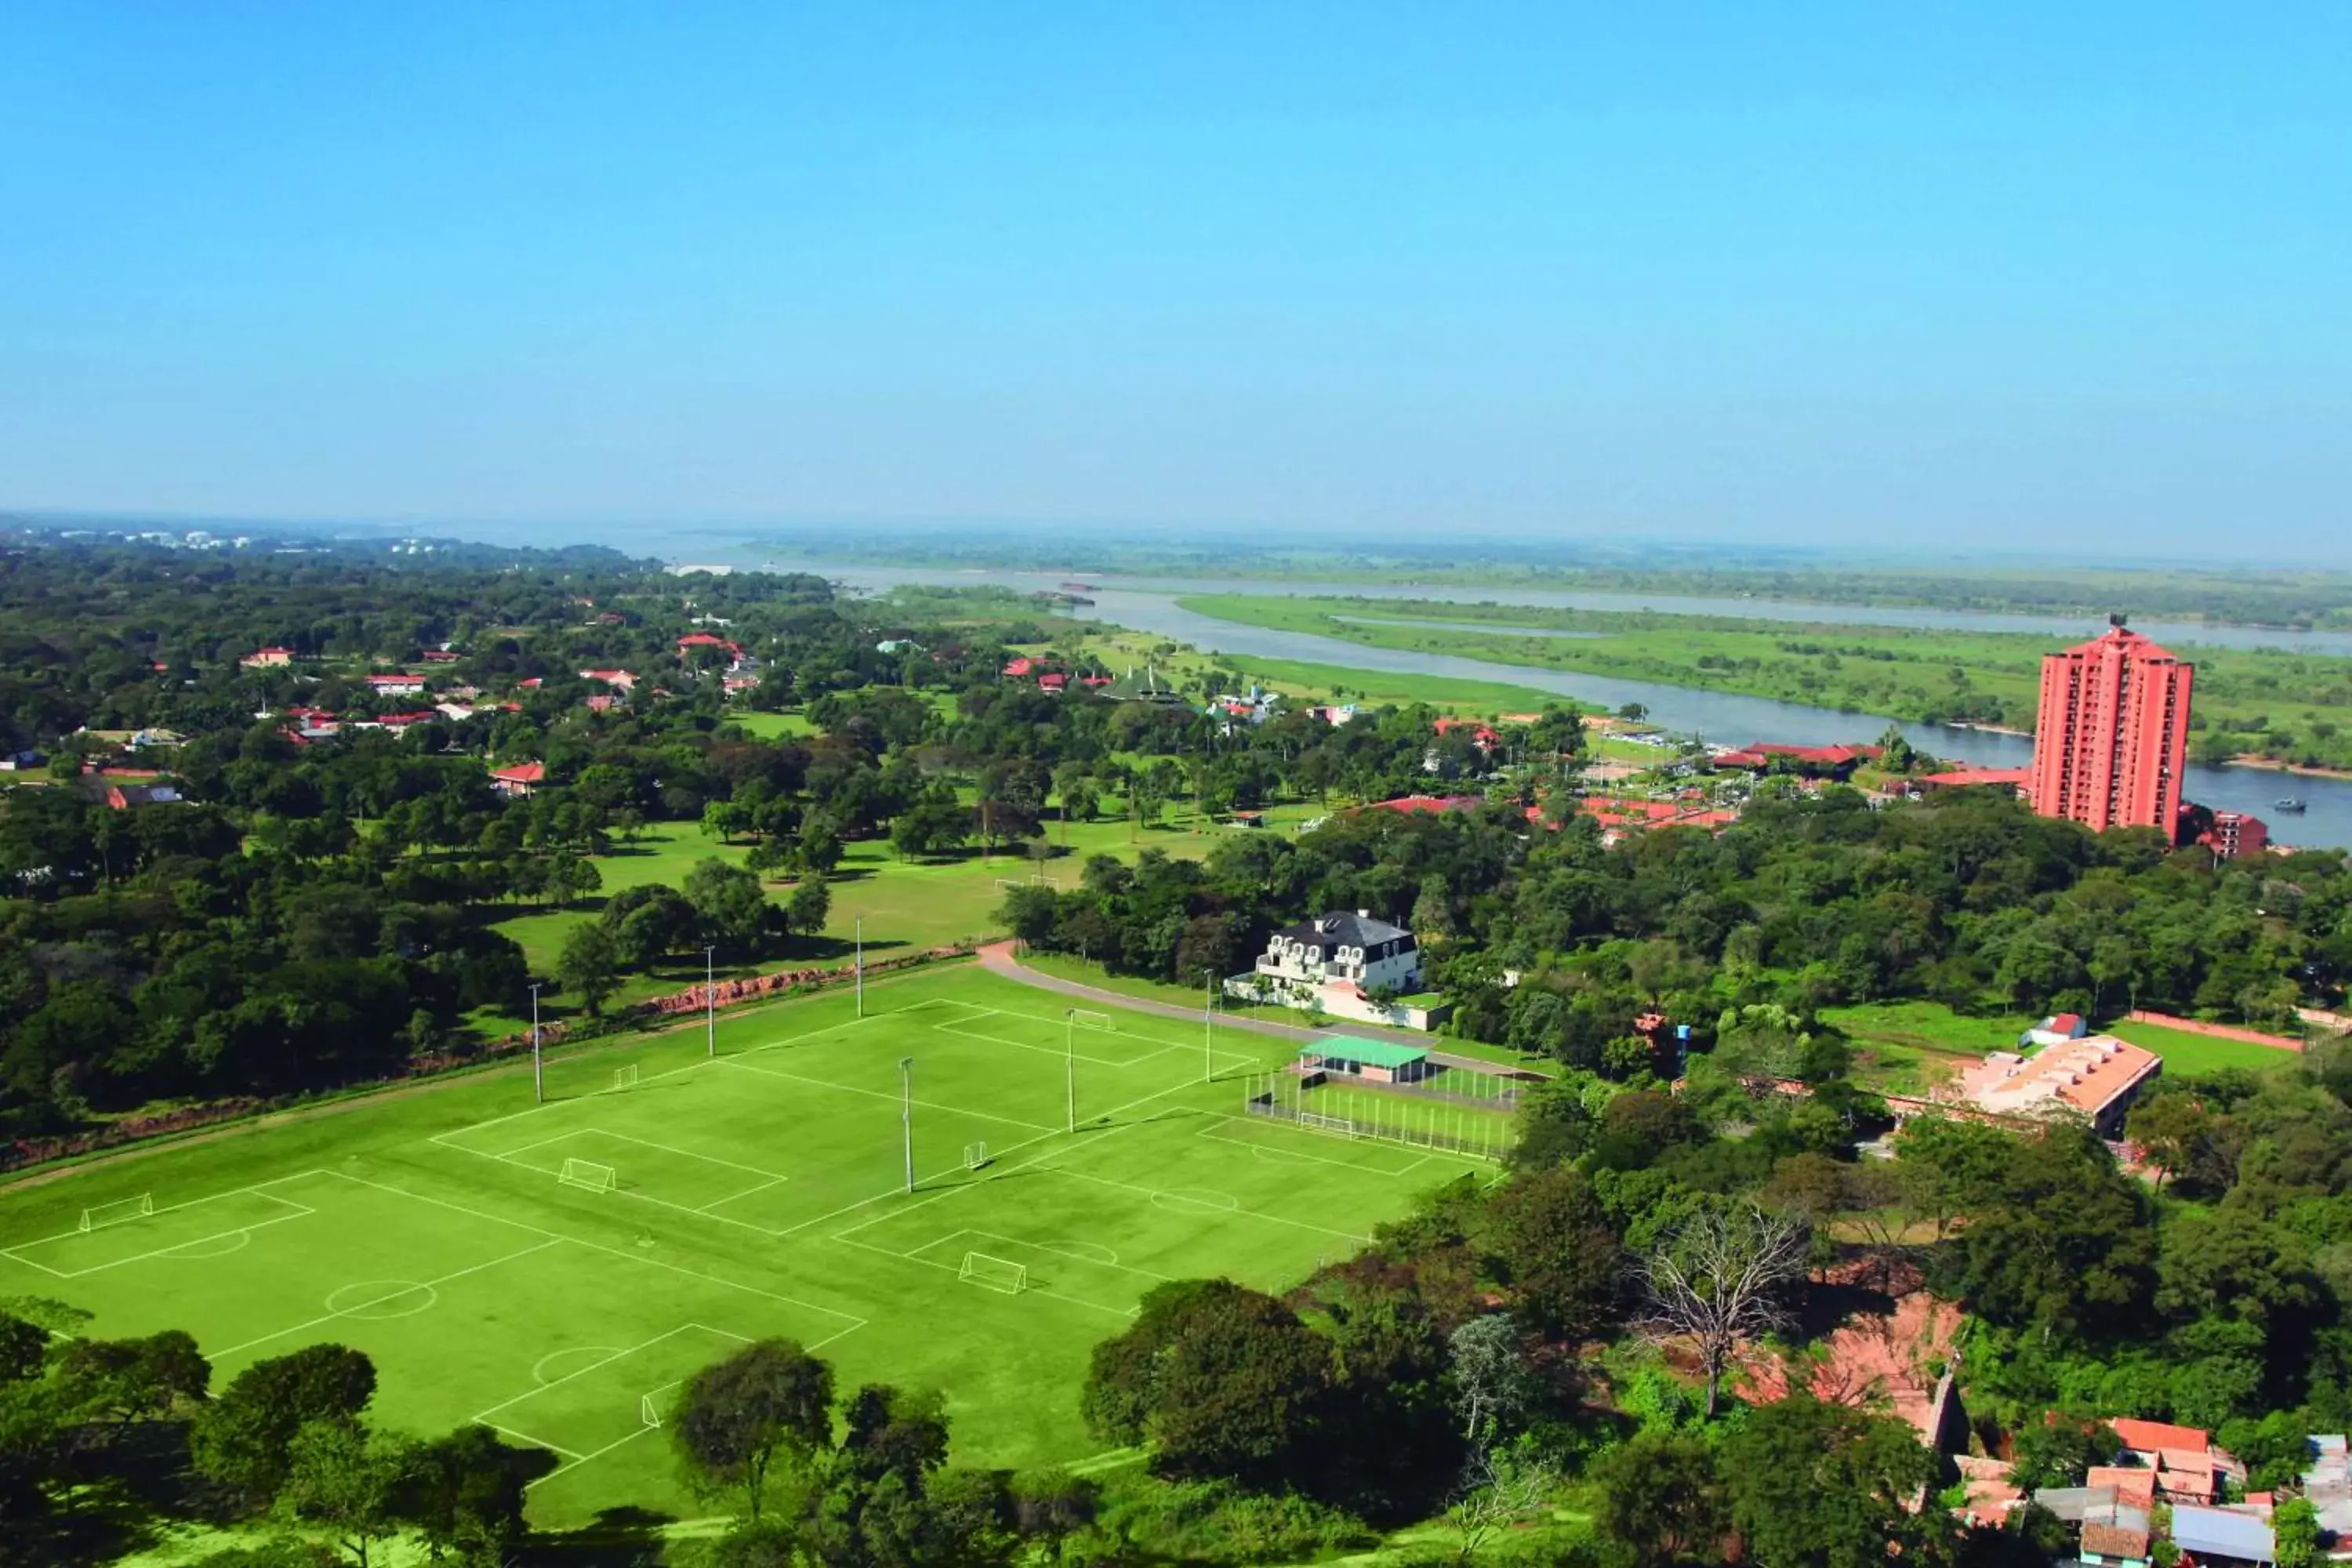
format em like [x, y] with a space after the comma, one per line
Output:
[554, 1269]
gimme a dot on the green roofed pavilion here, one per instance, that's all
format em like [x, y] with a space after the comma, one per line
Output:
[1378, 1059]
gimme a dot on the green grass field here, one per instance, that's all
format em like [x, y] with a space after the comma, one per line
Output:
[758, 1192]
[2185, 1054]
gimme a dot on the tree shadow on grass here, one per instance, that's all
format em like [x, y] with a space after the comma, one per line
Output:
[625, 1537]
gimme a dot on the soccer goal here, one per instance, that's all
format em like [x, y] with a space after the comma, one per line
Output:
[587, 1174]
[115, 1214]
[625, 1078]
[648, 1412]
[996, 1273]
[1082, 1019]
[975, 1155]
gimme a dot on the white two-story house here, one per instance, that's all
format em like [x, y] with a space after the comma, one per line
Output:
[1331, 962]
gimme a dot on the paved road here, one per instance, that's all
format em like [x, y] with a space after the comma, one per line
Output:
[998, 958]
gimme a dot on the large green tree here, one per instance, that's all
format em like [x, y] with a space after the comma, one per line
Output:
[736, 1418]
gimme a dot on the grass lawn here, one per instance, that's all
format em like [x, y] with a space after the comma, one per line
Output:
[2187, 1055]
[713, 1200]
[905, 903]
[773, 726]
[1908, 1048]
[1063, 966]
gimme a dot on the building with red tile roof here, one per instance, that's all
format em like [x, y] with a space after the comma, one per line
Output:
[618, 679]
[395, 685]
[2013, 779]
[2097, 1076]
[271, 657]
[517, 782]
[1434, 804]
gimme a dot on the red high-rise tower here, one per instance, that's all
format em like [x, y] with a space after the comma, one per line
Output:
[2112, 732]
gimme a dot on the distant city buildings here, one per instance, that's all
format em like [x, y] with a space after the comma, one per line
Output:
[2112, 735]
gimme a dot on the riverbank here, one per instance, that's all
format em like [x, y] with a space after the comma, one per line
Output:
[2295, 710]
[2272, 764]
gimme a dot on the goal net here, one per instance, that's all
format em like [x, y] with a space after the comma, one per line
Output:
[648, 1414]
[624, 1078]
[1081, 1018]
[115, 1214]
[996, 1273]
[975, 1155]
[587, 1174]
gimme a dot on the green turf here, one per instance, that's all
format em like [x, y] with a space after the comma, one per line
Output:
[2187, 1055]
[759, 1192]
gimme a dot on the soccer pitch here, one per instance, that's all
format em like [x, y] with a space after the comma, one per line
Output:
[555, 1271]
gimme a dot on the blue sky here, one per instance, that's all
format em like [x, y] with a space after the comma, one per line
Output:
[1908, 274]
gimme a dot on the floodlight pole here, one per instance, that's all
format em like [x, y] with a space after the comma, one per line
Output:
[1070, 1064]
[907, 1114]
[710, 1007]
[861, 966]
[1209, 1027]
[538, 1076]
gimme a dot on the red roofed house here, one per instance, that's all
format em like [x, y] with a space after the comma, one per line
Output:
[695, 641]
[1024, 667]
[2188, 1466]
[397, 685]
[1094, 682]
[517, 782]
[2014, 780]
[402, 720]
[603, 703]
[2097, 1075]
[1481, 735]
[265, 659]
[1410, 804]
[618, 679]
[1812, 761]
[437, 655]
[1053, 681]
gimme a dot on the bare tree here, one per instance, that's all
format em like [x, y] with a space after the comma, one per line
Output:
[1492, 1496]
[1720, 1278]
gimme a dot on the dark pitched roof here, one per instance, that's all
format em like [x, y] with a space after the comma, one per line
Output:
[1345, 929]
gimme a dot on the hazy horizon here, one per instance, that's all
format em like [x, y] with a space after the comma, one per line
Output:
[2000, 282]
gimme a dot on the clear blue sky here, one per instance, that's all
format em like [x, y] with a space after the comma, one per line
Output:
[1900, 273]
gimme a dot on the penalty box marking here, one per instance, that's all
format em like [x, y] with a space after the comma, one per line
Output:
[300, 1211]
[884, 1095]
[1051, 1249]
[847, 1239]
[574, 1458]
[852, 1320]
[1215, 1133]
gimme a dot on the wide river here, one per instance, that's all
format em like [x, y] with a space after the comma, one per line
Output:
[1150, 606]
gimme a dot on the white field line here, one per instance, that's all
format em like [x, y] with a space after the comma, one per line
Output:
[620, 1192]
[884, 1095]
[531, 1441]
[747, 1191]
[603, 1361]
[697, 1063]
[1046, 1248]
[1002, 1170]
[1054, 1051]
[1216, 1136]
[689, 1154]
[1180, 1197]
[300, 1211]
[853, 1321]
[407, 1287]
[574, 1459]
[1122, 1313]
